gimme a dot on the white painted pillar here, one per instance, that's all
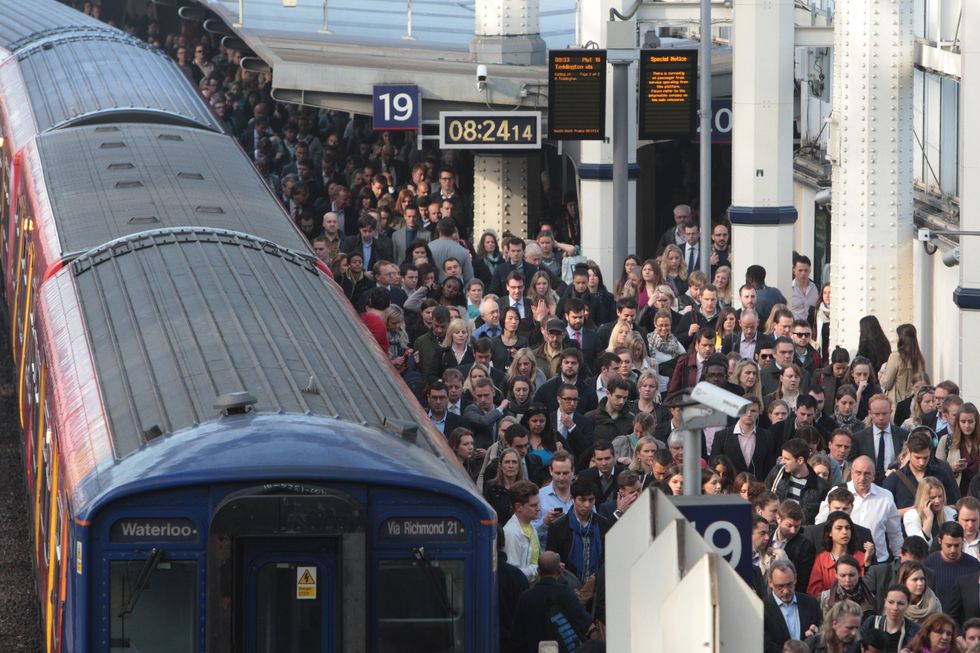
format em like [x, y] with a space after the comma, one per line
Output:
[870, 144]
[595, 158]
[508, 31]
[762, 211]
[967, 295]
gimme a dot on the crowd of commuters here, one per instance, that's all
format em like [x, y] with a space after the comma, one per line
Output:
[551, 386]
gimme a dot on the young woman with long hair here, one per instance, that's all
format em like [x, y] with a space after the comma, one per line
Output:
[838, 540]
[929, 511]
[461, 442]
[923, 602]
[508, 342]
[651, 278]
[488, 251]
[542, 441]
[525, 363]
[937, 635]
[673, 270]
[862, 376]
[629, 264]
[923, 402]
[509, 471]
[642, 458]
[845, 408]
[872, 342]
[961, 448]
[906, 360]
[723, 282]
[746, 376]
[822, 334]
[839, 631]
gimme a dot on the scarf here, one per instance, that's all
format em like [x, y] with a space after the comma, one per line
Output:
[845, 422]
[860, 595]
[824, 312]
[669, 345]
[926, 606]
[586, 550]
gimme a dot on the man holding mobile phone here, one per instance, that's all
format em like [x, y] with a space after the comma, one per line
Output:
[556, 497]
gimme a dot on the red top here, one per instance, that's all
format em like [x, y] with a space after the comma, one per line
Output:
[377, 328]
[823, 574]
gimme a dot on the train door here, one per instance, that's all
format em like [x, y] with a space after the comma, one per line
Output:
[290, 602]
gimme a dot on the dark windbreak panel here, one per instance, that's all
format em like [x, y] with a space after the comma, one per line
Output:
[175, 320]
[108, 182]
[24, 21]
[82, 76]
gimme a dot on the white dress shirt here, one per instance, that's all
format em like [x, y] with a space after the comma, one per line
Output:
[876, 512]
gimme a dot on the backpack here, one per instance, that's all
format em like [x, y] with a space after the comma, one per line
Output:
[560, 628]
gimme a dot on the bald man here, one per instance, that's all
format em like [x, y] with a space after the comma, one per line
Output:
[874, 508]
[533, 624]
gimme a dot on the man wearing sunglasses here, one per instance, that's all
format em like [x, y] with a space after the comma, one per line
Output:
[805, 355]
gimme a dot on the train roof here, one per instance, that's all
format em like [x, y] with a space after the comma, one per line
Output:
[176, 318]
[23, 23]
[275, 448]
[106, 76]
[106, 181]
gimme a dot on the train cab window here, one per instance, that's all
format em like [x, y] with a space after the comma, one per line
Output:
[153, 610]
[431, 621]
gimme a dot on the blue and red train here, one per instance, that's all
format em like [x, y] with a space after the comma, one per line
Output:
[218, 458]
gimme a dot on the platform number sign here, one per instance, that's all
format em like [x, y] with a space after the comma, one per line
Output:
[726, 524]
[396, 107]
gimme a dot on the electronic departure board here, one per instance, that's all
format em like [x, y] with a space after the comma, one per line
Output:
[577, 95]
[668, 93]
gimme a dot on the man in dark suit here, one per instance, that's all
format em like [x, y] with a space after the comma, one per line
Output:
[882, 441]
[514, 296]
[789, 537]
[385, 275]
[625, 312]
[514, 251]
[787, 614]
[966, 598]
[533, 616]
[483, 354]
[783, 357]
[575, 428]
[482, 416]
[577, 536]
[629, 485]
[745, 438]
[570, 370]
[687, 371]
[576, 332]
[438, 401]
[697, 320]
[374, 249]
[603, 474]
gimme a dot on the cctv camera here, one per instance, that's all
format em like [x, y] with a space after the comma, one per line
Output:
[823, 197]
[951, 257]
[714, 397]
[481, 73]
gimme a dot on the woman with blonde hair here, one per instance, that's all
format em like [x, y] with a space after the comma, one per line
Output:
[638, 350]
[923, 402]
[618, 336]
[526, 363]
[456, 348]
[929, 511]
[673, 270]
[723, 282]
[540, 286]
[746, 376]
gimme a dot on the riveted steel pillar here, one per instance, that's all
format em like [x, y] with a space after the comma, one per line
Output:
[507, 31]
[501, 194]
[870, 144]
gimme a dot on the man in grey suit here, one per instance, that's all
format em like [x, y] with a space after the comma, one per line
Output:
[445, 247]
[402, 239]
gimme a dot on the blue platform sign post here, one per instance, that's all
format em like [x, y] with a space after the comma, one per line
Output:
[396, 107]
[725, 522]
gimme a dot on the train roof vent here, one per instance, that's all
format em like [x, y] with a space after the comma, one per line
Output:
[170, 137]
[106, 128]
[235, 403]
[120, 166]
[190, 175]
[152, 433]
[133, 183]
[144, 219]
[409, 431]
[217, 210]
[112, 145]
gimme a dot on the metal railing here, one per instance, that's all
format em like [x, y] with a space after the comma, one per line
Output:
[325, 27]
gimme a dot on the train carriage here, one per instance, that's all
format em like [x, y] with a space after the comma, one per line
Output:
[218, 456]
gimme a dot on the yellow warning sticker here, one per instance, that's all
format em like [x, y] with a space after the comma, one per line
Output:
[306, 583]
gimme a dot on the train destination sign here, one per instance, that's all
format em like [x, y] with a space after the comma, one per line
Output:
[577, 95]
[668, 93]
[154, 529]
[423, 528]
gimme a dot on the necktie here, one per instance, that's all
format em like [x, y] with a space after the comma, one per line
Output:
[578, 337]
[520, 308]
[690, 258]
[880, 463]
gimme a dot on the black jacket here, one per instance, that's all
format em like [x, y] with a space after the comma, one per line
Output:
[814, 491]
[775, 632]
[802, 554]
[592, 474]
[511, 583]
[966, 598]
[547, 394]
[726, 442]
[560, 537]
[531, 625]
[605, 427]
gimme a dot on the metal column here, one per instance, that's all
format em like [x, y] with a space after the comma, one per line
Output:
[705, 197]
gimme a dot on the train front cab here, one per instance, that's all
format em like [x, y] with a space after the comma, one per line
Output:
[286, 567]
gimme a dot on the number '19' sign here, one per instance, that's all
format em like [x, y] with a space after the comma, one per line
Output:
[396, 107]
[725, 523]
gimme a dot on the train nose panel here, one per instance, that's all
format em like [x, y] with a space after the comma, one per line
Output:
[278, 555]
